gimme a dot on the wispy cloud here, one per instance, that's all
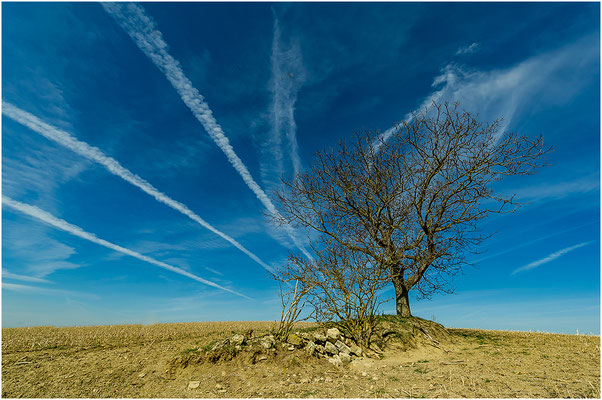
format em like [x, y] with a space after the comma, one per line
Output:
[15, 287]
[530, 242]
[548, 258]
[288, 74]
[143, 31]
[33, 249]
[25, 278]
[63, 138]
[554, 77]
[468, 49]
[42, 215]
[558, 190]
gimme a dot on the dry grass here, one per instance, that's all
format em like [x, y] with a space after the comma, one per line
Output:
[136, 361]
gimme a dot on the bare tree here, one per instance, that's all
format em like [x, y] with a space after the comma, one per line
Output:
[412, 202]
[341, 285]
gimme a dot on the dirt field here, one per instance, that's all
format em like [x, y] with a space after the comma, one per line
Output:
[138, 361]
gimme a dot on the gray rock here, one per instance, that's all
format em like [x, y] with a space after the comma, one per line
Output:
[331, 348]
[237, 340]
[294, 339]
[267, 341]
[310, 348]
[333, 334]
[306, 336]
[345, 358]
[343, 348]
[319, 338]
[262, 358]
[220, 344]
[355, 349]
[194, 384]
[335, 360]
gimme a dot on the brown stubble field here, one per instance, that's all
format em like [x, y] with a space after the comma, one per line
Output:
[128, 361]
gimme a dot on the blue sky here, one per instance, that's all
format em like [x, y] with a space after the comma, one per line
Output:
[141, 144]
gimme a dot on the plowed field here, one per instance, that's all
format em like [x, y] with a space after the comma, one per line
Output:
[138, 361]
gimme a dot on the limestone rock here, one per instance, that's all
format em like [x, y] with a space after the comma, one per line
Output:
[343, 348]
[194, 384]
[320, 349]
[345, 358]
[310, 348]
[294, 339]
[331, 348]
[319, 338]
[267, 341]
[220, 344]
[355, 349]
[333, 334]
[335, 360]
[237, 340]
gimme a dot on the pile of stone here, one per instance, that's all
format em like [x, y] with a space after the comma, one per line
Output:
[331, 345]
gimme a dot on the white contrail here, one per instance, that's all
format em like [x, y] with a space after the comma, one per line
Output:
[386, 135]
[42, 215]
[94, 154]
[548, 258]
[287, 76]
[142, 29]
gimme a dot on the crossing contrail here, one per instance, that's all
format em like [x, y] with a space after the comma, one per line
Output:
[93, 153]
[143, 31]
[44, 216]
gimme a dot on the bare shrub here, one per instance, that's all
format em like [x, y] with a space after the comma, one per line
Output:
[292, 302]
[341, 285]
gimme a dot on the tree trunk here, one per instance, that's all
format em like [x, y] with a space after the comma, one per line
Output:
[402, 300]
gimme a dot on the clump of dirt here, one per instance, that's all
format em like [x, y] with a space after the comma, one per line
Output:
[407, 333]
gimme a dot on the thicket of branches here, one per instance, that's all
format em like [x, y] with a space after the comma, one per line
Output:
[340, 285]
